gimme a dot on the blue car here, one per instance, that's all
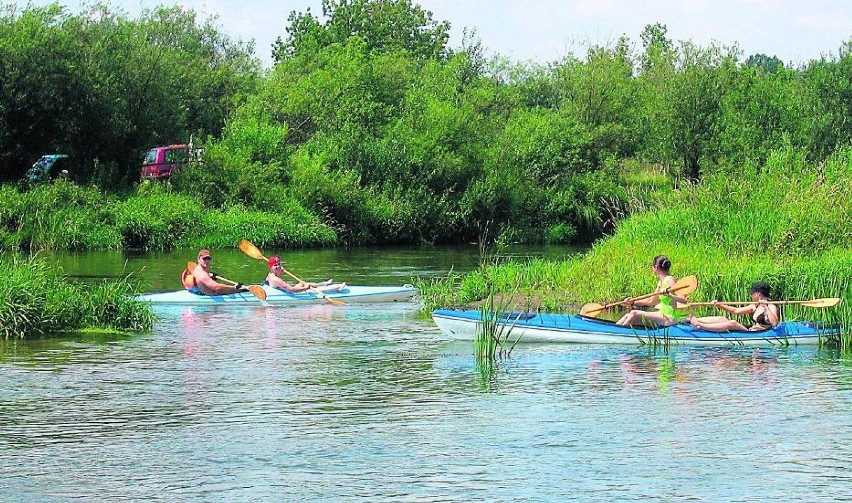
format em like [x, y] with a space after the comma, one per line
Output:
[48, 167]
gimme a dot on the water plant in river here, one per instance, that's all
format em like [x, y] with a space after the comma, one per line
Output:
[35, 300]
[494, 338]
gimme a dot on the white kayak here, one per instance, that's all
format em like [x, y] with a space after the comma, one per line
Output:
[353, 294]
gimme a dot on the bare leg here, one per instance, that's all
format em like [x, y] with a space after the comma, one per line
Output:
[636, 316]
[720, 326]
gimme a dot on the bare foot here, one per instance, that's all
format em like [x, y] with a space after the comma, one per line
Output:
[341, 287]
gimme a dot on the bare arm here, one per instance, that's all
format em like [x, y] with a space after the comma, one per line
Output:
[276, 282]
[208, 286]
[748, 309]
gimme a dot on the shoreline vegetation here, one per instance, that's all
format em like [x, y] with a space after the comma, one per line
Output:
[37, 301]
[364, 133]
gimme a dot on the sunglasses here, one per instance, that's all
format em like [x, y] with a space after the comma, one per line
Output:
[207, 258]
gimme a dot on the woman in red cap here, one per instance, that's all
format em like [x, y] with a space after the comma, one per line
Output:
[204, 281]
[273, 279]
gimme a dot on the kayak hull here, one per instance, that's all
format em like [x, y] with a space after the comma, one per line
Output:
[353, 294]
[566, 328]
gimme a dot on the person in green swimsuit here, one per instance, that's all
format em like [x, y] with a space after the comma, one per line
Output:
[665, 315]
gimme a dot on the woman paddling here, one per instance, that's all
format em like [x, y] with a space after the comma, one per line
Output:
[665, 314]
[273, 279]
[764, 315]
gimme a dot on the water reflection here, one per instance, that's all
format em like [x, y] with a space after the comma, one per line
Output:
[277, 403]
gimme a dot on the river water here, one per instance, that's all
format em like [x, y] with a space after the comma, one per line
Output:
[372, 402]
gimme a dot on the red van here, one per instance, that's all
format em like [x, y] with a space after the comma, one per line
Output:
[160, 162]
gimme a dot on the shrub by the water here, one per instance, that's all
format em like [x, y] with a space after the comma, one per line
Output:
[786, 223]
[65, 216]
[36, 300]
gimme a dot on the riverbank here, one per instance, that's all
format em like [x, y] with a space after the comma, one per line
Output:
[65, 216]
[785, 222]
[35, 300]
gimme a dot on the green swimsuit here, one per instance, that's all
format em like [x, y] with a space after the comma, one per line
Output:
[665, 306]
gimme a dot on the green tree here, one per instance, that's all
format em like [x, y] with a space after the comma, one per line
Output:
[384, 25]
[766, 63]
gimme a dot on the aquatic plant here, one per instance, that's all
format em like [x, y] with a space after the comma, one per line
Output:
[36, 300]
[727, 236]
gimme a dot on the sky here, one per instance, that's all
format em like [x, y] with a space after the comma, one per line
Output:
[547, 30]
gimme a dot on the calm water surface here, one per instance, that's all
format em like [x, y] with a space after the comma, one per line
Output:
[372, 402]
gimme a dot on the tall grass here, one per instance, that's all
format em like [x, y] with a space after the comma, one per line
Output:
[786, 223]
[36, 300]
[64, 216]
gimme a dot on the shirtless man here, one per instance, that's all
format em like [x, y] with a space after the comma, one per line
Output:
[206, 282]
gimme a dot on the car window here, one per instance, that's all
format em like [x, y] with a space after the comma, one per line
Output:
[150, 157]
[177, 155]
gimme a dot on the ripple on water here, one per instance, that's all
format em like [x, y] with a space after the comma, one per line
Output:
[372, 402]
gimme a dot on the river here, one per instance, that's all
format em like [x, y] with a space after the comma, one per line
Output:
[251, 403]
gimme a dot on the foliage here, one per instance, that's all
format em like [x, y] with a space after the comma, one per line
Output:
[102, 87]
[36, 300]
[65, 216]
[387, 25]
[369, 127]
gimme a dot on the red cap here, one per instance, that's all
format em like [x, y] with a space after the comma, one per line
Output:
[203, 253]
[273, 261]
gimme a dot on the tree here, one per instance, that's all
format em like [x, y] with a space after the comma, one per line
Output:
[766, 63]
[385, 26]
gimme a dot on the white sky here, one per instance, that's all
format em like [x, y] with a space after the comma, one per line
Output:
[546, 30]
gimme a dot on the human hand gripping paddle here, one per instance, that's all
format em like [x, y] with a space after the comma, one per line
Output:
[252, 251]
[255, 290]
[818, 303]
[683, 286]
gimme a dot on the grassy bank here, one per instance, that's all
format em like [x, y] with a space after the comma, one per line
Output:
[65, 216]
[36, 300]
[785, 222]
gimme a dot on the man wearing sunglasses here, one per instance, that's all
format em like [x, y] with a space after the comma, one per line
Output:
[205, 281]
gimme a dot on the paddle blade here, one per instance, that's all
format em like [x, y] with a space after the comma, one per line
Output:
[187, 280]
[822, 302]
[251, 250]
[257, 291]
[591, 309]
[190, 266]
[686, 285]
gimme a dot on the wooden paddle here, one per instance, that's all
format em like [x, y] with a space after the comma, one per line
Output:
[255, 290]
[819, 303]
[683, 286]
[252, 251]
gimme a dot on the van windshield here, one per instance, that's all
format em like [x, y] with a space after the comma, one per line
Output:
[150, 157]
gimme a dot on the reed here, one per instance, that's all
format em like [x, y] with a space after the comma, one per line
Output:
[494, 340]
[786, 224]
[35, 300]
[65, 216]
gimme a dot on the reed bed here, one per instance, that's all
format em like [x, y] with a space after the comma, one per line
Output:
[785, 223]
[65, 216]
[35, 300]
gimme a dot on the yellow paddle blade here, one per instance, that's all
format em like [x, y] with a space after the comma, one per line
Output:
[830, 302]
[257, 291]
[251, 250]
[686, 285]
[190, 266]
[591, 309]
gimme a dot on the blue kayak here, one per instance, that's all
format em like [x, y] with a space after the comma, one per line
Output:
[354, 294]
[532, 327]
